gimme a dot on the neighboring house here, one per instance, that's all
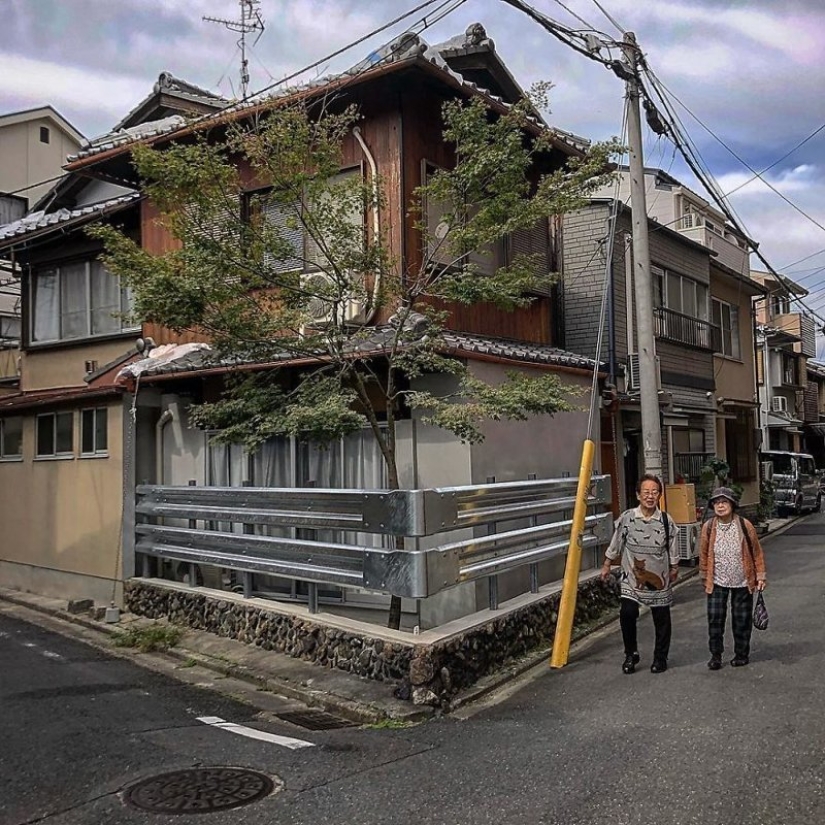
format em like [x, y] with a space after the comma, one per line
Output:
[786, 339]
[813, 440]
[737, 423]
[148, 435]
[685, 339]
[673, 205]
[62, 431]
[722, 323]
[34, 145]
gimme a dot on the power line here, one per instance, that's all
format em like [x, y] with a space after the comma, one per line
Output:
[741, 160]
[360, 40]
[706, 178]
[758, 175]
[604, 12]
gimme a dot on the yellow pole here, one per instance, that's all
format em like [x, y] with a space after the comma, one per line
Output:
[570, 587]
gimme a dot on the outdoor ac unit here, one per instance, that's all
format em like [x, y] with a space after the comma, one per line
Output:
[320, 308]
[633, 382]
[687, 543]
[767, 470]
[779, 404]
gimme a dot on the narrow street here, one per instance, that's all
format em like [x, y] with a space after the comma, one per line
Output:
[586, 744]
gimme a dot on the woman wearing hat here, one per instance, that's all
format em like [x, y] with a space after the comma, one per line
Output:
[732, 566]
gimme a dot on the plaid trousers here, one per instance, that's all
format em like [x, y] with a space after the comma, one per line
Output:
[741, 615]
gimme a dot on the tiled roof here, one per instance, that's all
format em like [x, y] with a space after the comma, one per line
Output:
[122, 137]
[168, 84]
[37, 221]
[407, 47]
[172, 360]
[55, 396]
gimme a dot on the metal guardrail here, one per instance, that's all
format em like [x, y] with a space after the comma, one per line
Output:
[511, 511]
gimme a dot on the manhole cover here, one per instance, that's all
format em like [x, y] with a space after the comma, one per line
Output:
[199, 790]
[315, 720]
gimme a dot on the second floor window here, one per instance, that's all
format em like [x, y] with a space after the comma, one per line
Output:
[726, 317]
[76, 300]
[679, 294]
[11, 437]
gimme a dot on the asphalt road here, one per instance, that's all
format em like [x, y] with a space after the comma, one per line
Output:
[586, 744]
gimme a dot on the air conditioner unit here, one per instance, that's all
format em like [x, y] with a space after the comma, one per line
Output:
[687, 541]
[320, 307]
[632, 375]
[779, 404]
[767, 470]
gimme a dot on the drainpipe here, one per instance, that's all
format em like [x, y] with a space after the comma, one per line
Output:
[165, 417]
[375, 218]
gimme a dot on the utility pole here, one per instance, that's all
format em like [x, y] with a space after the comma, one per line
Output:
[250, 21]
[642, 281]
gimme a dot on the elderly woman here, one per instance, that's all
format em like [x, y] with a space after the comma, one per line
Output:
[732, 566]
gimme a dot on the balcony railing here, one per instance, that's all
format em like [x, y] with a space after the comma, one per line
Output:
[688, 466]
[693, 332]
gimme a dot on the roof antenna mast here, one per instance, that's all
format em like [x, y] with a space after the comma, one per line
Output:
[250, 21]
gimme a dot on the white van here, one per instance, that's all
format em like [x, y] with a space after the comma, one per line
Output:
[796, 482]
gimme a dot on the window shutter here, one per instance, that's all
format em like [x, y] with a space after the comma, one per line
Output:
[277, 215]
[534, 240]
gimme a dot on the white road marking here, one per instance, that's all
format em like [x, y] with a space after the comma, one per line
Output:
[251, 733]
[47, 653]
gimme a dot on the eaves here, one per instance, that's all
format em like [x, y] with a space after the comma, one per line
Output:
[335, 85]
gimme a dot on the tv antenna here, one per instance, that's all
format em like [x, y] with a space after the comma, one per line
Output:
[250, 21]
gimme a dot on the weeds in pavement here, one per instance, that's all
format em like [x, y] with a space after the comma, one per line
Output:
[149, 638]
[389, 724]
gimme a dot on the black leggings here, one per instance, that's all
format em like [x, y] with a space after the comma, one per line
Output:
[628, 617]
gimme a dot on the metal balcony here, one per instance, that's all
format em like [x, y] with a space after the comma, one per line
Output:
[683, 329]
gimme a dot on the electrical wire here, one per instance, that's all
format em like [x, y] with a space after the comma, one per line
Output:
[601, 8]
[366, 37]
[741, 160]
[758, 175]
[693, 160]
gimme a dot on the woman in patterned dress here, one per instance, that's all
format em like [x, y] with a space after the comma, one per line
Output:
[732, 566]
[644, 543]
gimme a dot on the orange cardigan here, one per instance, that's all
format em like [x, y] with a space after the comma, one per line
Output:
[754, 563]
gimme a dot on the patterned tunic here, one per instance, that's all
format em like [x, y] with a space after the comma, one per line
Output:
[729, 569]
[645, 560]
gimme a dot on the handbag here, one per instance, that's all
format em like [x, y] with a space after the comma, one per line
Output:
[760, 612]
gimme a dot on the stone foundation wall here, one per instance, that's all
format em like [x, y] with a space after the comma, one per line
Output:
[426, 674]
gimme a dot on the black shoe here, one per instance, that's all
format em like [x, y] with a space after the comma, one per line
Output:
[658, 666]
[739, 661]
[715, 663]
[630, 662]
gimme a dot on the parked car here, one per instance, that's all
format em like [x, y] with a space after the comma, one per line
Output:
[796, 482]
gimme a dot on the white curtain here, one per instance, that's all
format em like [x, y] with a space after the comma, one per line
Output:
[74, 322]
[46, 297]
[105, 300]
[272, 467]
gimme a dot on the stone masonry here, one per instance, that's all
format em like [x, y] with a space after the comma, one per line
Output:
[428, 674]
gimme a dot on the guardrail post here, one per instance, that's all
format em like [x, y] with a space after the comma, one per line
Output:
[312, 597]
[248, 578]
[492, 581]
[193, 524]
[533, 568]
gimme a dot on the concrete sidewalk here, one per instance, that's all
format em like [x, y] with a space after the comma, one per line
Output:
[359, 700]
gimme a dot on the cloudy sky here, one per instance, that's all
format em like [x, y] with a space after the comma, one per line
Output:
[752, 71]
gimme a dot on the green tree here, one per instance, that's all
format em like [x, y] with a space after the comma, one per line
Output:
[254, 272]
